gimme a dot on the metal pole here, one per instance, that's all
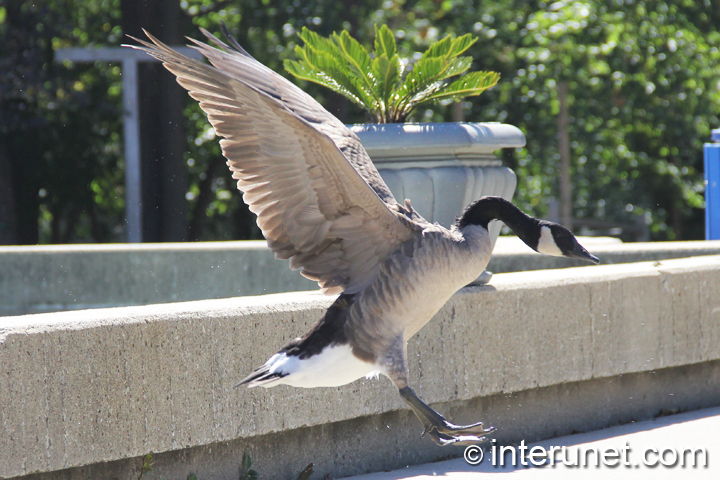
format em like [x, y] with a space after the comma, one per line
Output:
[131, 112]
[712, 187]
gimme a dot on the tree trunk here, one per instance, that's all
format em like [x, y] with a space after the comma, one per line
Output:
[162, 132]
[564, 147]
[8, 218]
[458, 112]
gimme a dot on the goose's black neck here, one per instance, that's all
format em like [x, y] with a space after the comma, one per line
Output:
[483, 211]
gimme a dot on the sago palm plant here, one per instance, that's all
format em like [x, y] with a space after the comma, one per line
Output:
[376, 81]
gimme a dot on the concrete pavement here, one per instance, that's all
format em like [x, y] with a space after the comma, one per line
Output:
[656, 449]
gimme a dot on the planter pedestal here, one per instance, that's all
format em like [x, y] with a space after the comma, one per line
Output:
[442, 167]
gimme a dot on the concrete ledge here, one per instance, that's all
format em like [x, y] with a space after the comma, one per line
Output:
[85, 387]
[40, 279]
[391, 440]
[511, 255]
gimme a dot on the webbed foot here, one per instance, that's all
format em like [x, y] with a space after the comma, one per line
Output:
[440, 430]
[450, 434]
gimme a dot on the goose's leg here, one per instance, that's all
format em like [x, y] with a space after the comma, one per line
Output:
[440, 430]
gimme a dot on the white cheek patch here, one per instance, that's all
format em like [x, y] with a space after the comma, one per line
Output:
[546, 244]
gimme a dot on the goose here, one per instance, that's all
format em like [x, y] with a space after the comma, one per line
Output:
[321, 203]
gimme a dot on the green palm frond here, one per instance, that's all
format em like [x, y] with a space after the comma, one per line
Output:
[450, 47]
[426, 78]
[469, 85]
[326, 68]
[358, 59]
[385, 42]
[374, 81]
[386, 74]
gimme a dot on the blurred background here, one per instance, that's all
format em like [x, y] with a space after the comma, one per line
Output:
[640, 80]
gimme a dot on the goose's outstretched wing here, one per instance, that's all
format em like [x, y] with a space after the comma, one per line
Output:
[239, 64]
[314, 206]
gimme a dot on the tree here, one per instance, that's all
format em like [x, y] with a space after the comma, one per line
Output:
[642, 97]
[642, 93]
[57, 128]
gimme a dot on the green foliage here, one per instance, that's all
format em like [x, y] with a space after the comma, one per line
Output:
[375, 81]
[60, 124]
[643, 96]
[246, 473]
[637, 76]
[146, 466]
[306, 473]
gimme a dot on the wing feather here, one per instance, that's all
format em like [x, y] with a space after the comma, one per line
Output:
[325, 212]
[244, 67]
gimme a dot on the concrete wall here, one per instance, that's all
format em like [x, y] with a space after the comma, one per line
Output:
[53, 278]
[43, 278]
[110, 385]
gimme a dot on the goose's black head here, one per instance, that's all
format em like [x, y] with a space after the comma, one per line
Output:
[554, 239]
[542, 236]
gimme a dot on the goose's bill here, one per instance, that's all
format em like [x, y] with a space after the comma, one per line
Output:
[581, 253]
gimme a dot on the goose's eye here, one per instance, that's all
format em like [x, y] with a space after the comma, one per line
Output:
[563, 238]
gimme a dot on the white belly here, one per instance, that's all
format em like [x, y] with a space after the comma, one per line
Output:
[333, 367]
